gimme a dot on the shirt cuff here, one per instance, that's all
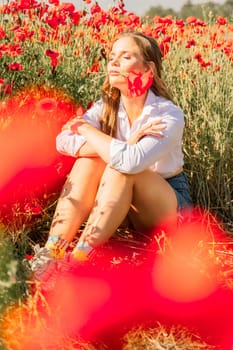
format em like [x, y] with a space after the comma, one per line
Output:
[116, 150]
[69, 143]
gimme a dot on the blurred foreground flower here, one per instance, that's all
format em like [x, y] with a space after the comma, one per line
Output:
[187, 269]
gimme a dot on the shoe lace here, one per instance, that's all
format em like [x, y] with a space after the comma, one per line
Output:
[41, 258]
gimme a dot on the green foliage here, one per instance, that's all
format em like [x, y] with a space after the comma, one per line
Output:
[160, 11]
[197, 10]
[73, 72]
[13, 271]
[206, 100]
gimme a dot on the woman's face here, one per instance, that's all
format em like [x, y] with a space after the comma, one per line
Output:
[125, 57]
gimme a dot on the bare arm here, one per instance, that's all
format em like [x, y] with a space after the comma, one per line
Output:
[99, 142]
[87, 151]
[92, 135]
[96, 140]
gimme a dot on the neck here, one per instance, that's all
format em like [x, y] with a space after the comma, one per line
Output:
[133, 106]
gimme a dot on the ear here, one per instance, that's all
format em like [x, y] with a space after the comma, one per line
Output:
[150, 67]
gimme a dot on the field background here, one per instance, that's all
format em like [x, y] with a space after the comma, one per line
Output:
[52, 62]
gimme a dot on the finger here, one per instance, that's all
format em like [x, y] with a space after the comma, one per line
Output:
[158, 127]
[157, 121]
[158, 135]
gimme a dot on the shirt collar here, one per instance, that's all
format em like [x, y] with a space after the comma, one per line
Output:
[148, 106]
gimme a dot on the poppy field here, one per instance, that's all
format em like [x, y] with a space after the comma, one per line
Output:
[138, 292]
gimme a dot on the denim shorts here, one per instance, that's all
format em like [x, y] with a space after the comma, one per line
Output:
[180, 185]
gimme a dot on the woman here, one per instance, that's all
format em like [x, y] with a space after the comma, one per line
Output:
[129, 154]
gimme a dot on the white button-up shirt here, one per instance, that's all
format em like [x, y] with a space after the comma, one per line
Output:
[162, 155]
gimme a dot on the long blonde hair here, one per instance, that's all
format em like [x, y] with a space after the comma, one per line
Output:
[150, 51]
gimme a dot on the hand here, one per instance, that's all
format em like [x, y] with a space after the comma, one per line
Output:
[74, 124]
[154, 129]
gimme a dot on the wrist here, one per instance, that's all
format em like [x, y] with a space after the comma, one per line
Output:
[82, 127]
[75, 127]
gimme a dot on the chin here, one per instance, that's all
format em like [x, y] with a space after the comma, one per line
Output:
[116, 80]
[115, 85]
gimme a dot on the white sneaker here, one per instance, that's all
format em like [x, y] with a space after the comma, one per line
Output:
[44, 267]
[46, 270]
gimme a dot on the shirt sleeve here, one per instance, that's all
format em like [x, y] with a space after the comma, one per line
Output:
[134, 158]
[68, 142]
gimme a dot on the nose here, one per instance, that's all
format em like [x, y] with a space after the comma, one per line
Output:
[114, 61]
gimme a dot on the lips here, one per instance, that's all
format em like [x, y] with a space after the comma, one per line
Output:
[113, 72]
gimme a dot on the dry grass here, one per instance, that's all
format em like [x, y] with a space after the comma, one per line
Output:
[134, 247]
[17, 333]
[163, 338]
[219, 250]
[25, 326]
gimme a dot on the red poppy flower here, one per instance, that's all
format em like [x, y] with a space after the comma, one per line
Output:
[90, 104]
[165, 20]
[29, 257]
[165, 46]
[67, 7]
[191, 20]
[52, 53]
[221, 20]
[190, 43]
[7, 89]
[216, 68]
[180, 23]
[138, 83]
[27, 4]
[228, 49]
[95, 9]
[22, 34]
[195, 21]
[3, 47]
[198, 56]
[132, 20]
[13, 50]
[75, 18]
[15, 66]
[120, 8]
[54, 2]
[205, 64]
[54, 57]
[95, 66]
[46, 104]
[2, 33]
[80, 110]
[200, 60]
[56, 18]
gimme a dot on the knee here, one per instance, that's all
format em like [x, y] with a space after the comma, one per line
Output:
[113, 174]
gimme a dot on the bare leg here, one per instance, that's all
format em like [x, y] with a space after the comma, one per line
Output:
[112, 204]
[120, 192]
[153, 203]
[77, 197]
[73, 208]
